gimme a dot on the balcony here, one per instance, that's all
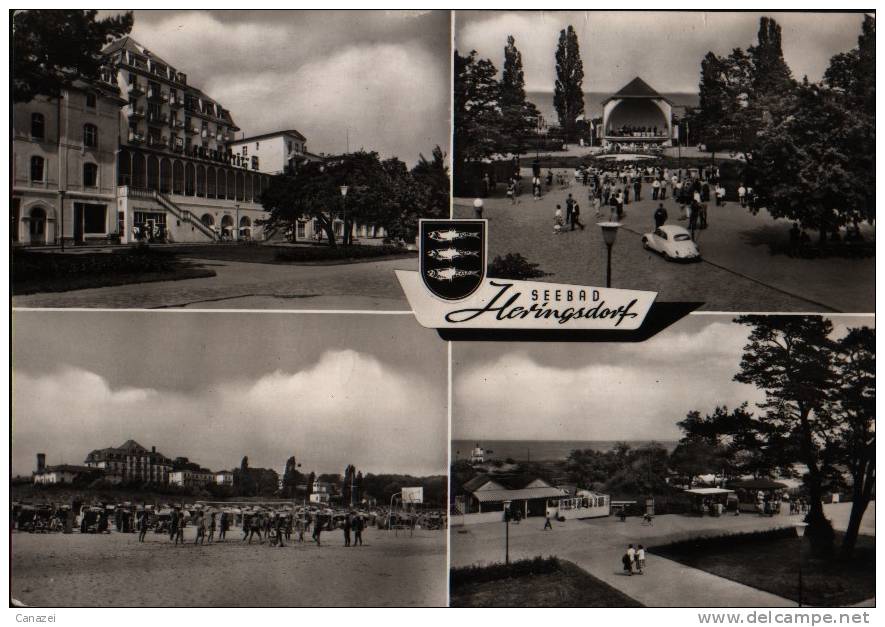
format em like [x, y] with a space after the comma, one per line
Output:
[157, 118]
[193, 130]
[177, 124]
[135, 89]
[135, 137]
[136, 113]
[204, 133]
[155, 93]
[174, 102]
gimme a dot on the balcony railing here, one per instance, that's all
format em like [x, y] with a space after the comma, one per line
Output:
[134, 112]
[135, 88]
[177, 124]
[135, 138]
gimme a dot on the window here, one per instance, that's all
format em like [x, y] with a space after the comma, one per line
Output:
[90, 135]
[90, 101]
[36, 168]
[94, 218]
[90, 175]
[38, 125]
[254, 163]
[245, 150]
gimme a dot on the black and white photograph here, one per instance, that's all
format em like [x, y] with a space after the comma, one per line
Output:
[727, 462]
[734, 152]
[225, 159]
[215, 459]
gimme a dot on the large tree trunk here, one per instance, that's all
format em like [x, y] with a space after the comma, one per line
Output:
[330, 233]
[861, 496]
[820, 531]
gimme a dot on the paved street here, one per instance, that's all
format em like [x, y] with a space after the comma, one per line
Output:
[596, 545]
[738, 272]
[238, 285]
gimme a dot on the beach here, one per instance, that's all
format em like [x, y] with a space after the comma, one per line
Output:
[116, 570]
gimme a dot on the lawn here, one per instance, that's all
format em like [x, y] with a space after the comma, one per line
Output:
[771, 563]
[36, 272]
[559, 583]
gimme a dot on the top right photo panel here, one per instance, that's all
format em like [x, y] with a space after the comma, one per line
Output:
[722, 158]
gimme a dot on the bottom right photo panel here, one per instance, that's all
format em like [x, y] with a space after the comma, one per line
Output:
[729, 461]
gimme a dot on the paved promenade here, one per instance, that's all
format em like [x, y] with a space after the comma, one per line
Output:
[597, 545]
[238, 285]
[738, 273]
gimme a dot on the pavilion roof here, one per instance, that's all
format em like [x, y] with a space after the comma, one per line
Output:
[637, 88]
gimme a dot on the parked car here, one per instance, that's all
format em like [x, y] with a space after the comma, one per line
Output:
[673, 242]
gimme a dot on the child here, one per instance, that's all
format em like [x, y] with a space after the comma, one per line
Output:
[558, 220]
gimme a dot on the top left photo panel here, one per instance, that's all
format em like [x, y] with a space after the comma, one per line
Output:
[225, 159]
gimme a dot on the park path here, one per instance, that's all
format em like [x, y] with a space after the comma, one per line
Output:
[739, 272]
[366, 285]
[596, 545]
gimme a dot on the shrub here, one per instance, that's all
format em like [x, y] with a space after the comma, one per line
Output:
[494, 572]
[336, 253]
[514, 266]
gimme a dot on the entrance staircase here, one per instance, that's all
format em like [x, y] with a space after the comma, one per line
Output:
[184, 215]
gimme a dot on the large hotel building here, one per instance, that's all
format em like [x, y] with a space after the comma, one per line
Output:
[143, 152]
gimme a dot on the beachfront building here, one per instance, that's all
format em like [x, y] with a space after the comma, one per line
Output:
[578, 503]
[279, 152]
[64, 166]
[321, 494]
[189, 478]
[131, 462]
[477, 455]
[637, 118]
[225, 478]
[177, 178]
[485, 497]
[63, 473]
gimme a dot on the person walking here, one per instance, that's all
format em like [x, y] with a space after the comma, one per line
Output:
[569, 203]
[660, 216]
[637, 189]
[142, 525]
[346, 528]
[655, 189]
[547, 523]
[576, 217]
[640, 559]
[693, 211]
[200, 528]
[625, 563]
[557, 220]
[179, 531]
[224, 523]
[631, 555]
[280, 529]
[317, 530]
[173, 524]
[742, 195]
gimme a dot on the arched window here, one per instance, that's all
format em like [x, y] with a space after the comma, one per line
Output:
[153, 172]
[139, 171]
[222, 183]
[165, 176]
[37, 168]
[90, 135]
[201, 180]
[189, 179]
[90, 175]
[38, 126]
[177, 177]
[210, 183]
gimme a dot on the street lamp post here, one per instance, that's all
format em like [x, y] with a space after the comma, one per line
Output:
[507, 532]
[609, 233]
[344, 211]
[237, 225]
[800, 531]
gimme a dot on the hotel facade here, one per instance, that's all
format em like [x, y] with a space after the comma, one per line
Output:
[142, 155]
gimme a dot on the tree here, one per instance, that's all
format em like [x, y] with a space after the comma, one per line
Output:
[816, 163]
[790, 358]
[379, 192]
[771, 74]
[243, 479]
[477, 115]
[53, 48]
[291, 478]
[347, 485]
[518, 116]
[311, 479]
[568, 92]
[854, 441]
[434, 175]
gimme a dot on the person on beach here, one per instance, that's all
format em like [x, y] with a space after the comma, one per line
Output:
[179, 530]
[200, 527]
[211, 535]
[358, 530]
[317, 530]
[223, 525]
[142, 525]
[173, 524]
[280, 530]
[346, 528]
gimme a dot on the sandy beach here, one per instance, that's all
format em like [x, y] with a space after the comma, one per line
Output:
[116, 570]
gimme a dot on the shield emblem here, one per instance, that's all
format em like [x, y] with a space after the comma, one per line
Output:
[453, 256]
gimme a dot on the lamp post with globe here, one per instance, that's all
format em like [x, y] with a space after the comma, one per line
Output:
[344, 213]
[609, 234]
[800, 532]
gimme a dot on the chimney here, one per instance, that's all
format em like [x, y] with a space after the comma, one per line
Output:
[153, 449]
[41, 462]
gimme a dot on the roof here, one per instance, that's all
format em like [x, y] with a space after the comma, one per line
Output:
[486, 496]
[708, 491]
[290, 131]
[637, 88]
[128, 43]
[65, 468]
[758, 484]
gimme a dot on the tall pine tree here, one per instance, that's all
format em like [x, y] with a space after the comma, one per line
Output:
[568, 92]
[518, 116]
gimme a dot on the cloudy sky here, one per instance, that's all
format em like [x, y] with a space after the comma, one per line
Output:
[665, 48]
[602, 391]
[384, 76]
[331, 390]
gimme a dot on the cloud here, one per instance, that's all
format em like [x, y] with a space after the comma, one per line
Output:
[514, 397]
[347, 408]
[391, 92]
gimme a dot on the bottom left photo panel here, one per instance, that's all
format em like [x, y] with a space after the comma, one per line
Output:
[227, 459]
